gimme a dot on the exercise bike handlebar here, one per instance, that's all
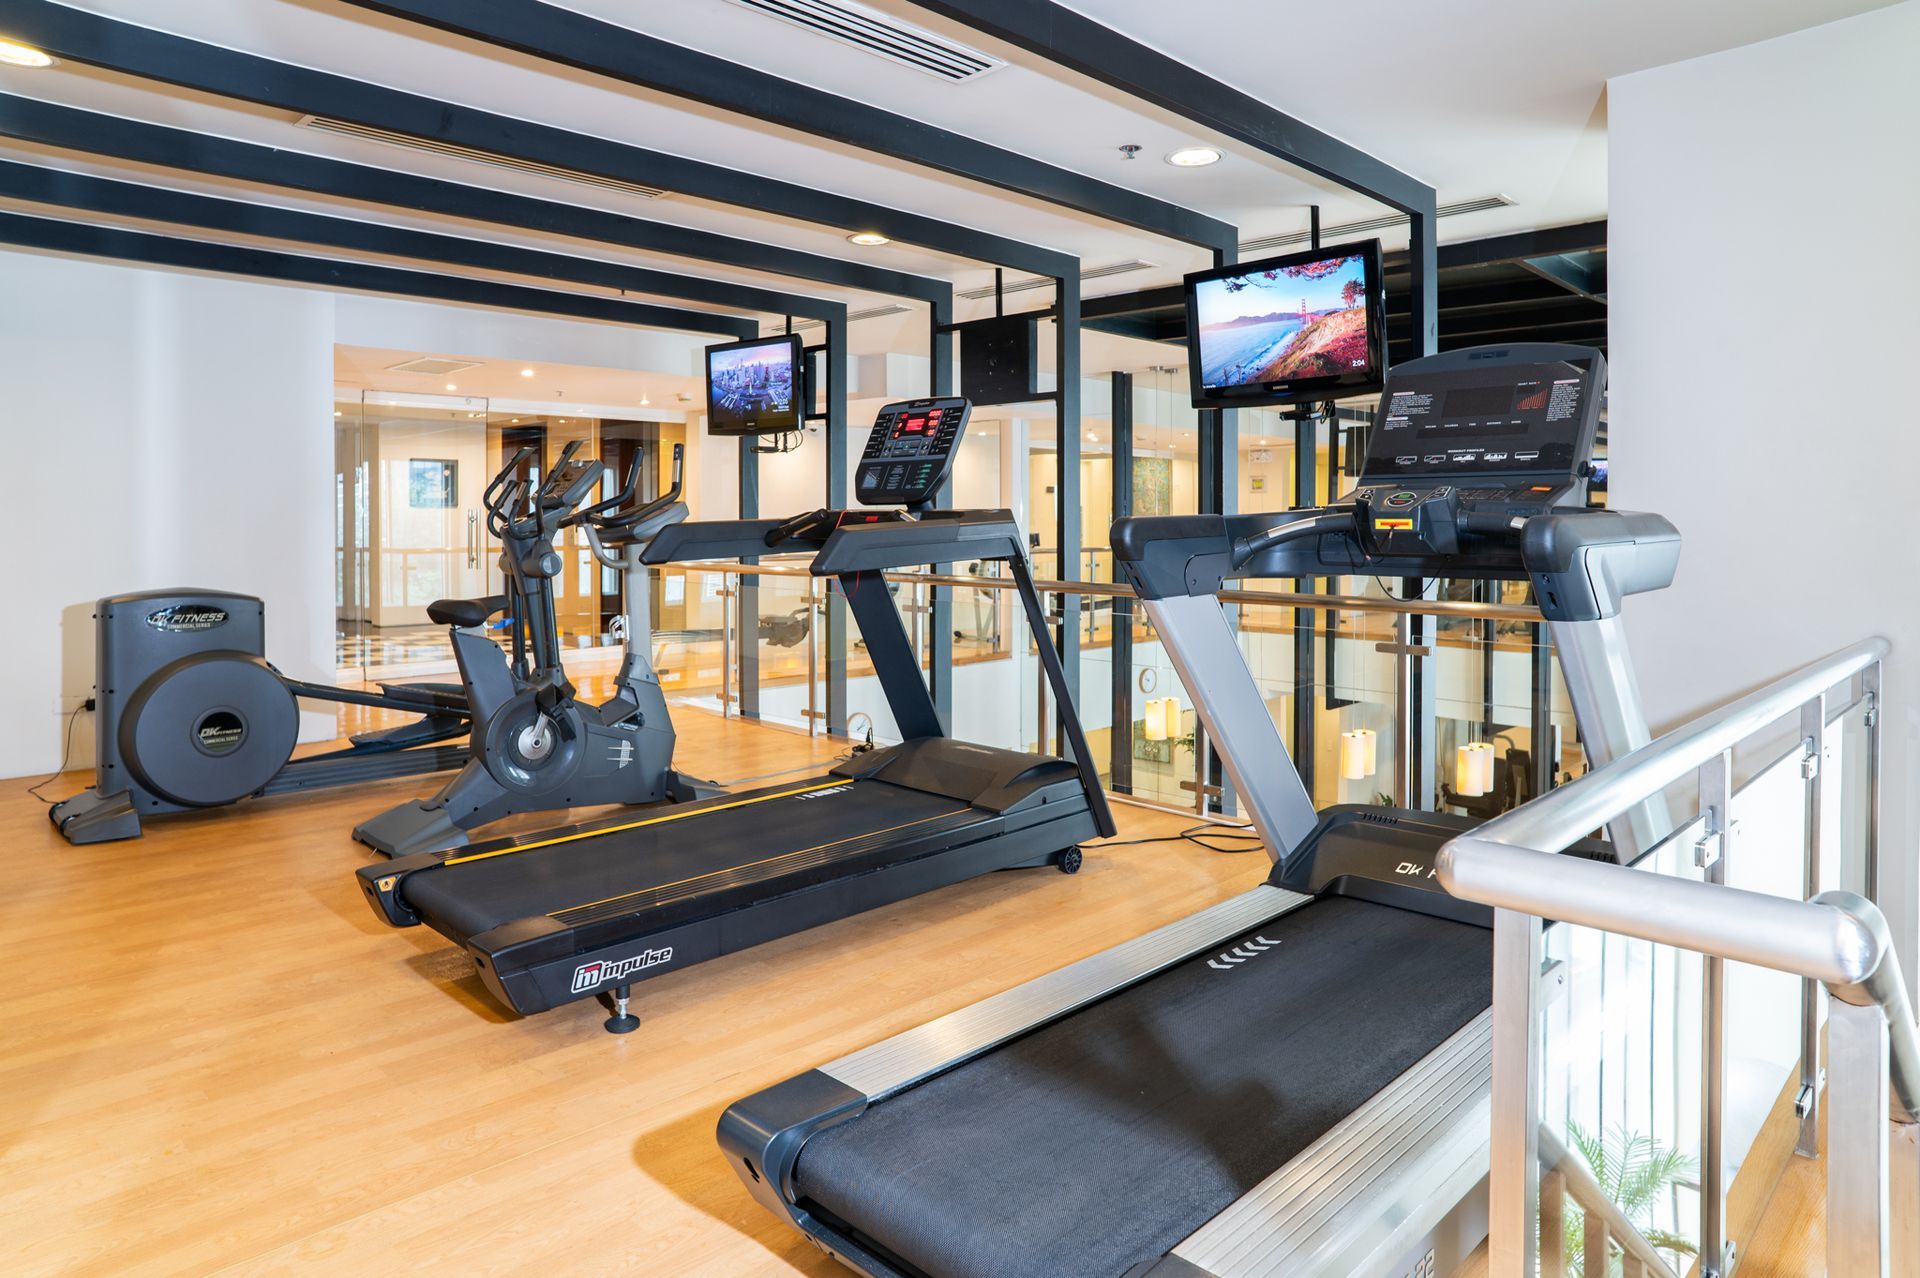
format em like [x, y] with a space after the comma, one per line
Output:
[662, 510]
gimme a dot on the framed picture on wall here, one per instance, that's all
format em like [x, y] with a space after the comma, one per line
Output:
[432, 484]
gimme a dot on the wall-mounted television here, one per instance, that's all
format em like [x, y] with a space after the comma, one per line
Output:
[755, 387]
[1308, 325]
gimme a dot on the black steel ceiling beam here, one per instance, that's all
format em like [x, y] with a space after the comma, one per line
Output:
[207, 213]
[1065, 38]
[92, 240]
[1098, 52]
[574, 39]
[191, 64]
[68, 128]
[1517, 247]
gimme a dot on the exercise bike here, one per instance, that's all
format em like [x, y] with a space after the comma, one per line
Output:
[535, 745]
[194, 716]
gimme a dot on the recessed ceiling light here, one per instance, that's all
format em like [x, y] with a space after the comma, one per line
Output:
[336, 412]
[15, 54]
[526, 372]
[868, 239]
[451, 386]
[1193, 157]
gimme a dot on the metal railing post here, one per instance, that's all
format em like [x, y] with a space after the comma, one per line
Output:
[813, 658]
[1404, 762]
[1813, 741]
[1870, 689]
[1514, 1152]
[726, 649]
[1199, 766]
[1716, 802]
[1858, 1126]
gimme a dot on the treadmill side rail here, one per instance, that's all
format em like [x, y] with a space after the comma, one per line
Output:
[1404, 1172]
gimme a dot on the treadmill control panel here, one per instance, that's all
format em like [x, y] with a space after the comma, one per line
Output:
[911, 451]
[1470, 442]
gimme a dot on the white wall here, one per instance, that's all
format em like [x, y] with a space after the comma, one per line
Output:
[1764, 335]
[175, 431]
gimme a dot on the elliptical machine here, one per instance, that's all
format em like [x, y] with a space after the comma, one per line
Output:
[535, 746]
[192, 715]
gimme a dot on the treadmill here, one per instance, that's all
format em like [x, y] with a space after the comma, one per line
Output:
[588, 910]
[1293, 1081]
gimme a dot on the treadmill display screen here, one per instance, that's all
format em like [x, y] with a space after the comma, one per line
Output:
[1475, 422]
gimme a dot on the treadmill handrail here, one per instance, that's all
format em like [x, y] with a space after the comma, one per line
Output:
[1838, 938]
[947, 537]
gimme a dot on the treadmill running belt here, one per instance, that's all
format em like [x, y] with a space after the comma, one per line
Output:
[1104, 1139]
[703, 852]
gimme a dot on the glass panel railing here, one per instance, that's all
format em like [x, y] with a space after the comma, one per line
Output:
[1620, 1113]
[1674, 1084]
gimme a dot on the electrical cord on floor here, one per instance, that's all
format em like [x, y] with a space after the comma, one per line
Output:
[66, 753]
[1202, 835]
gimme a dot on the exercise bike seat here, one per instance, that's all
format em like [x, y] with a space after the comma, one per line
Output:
[465, 612]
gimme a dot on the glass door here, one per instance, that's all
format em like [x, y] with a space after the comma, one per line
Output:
[410, 525]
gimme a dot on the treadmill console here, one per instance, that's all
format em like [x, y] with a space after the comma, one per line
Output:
[1473, 440]
[910, 452]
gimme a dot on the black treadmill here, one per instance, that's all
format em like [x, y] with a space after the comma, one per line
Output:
[587, 910]
[1293, 1081]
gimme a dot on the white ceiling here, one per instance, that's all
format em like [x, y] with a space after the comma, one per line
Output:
[1476, 97]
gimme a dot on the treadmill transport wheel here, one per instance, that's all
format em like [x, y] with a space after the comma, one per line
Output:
[1070, 861]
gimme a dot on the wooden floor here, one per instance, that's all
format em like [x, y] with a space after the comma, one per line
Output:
[218, 1061]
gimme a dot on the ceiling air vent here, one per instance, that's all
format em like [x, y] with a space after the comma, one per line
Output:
[880, 34]
[1334, 234]
[871, 313]
[1027, 282]
[346, 128]
[433, 367]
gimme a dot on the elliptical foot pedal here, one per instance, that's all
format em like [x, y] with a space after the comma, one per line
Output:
[622, 1021]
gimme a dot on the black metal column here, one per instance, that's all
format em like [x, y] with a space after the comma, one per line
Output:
[1120, 731]
[940, 598]
[746, 597]
[1066, 346]
[1306, 458]
[835, 427]
[1545, 762]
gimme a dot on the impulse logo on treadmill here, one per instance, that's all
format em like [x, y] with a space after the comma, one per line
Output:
[588, 975]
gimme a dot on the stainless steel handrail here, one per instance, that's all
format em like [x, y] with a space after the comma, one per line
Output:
[1838, 938]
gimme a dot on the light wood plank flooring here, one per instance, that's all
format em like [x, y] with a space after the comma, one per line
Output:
[218, 1061]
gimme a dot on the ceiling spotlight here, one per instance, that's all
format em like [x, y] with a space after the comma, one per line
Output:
[451, 386]
[337, 413]
[868, 239]
[526, 372]
[15, 54]
[644, 401]
[1193, 157]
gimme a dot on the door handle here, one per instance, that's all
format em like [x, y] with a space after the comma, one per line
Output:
[473, 538]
